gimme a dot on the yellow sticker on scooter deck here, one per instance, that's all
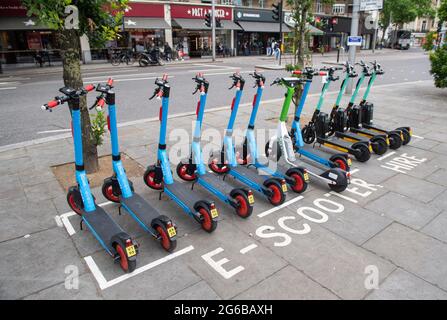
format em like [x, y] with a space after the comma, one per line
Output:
[251, 199]
[214, 213]
[131, 251]
[171, 232]
[306, 177]
[284, 187]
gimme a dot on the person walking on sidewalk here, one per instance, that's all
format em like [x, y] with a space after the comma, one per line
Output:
[277, 50]
[269, 47]
[179, 48]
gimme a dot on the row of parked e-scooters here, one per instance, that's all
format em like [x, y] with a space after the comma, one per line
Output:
[320, 151]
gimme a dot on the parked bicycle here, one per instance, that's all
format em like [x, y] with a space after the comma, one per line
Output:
[124, 56]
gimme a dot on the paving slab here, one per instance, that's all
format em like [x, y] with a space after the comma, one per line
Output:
[287, 284]
[413, 251]
[438, 177]
[31, 264]
[15, 165]
[414, 188]
[403, 209]
[440, 201]
[198, 291]
[335, 263]
[11, 188]
[86, 290]
[43, 191]
[437, 227]
[402, 285]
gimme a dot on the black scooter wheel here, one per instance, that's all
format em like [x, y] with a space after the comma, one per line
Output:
[338, 187]
[182, 172]
[308, 134]
[278, 197]
[207, 222]
[125, 263]
[278, 151]
[364, 154]
[395, 140]
[166, 243]
[407, 136]
[244, 209]
[379, 146]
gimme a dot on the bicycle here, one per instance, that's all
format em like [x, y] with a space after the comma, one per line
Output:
[122, 57]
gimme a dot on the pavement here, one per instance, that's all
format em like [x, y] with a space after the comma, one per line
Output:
[383, 238]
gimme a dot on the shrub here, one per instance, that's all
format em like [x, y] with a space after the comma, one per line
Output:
[429, 38]
[438, 59]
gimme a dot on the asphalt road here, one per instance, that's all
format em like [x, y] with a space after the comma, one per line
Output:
[22, 95]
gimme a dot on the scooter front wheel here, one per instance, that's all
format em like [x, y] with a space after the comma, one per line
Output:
[267, 151]
[407, 136]
[363, 154]
[182, 172]
[244, 209]
[300, 184]
[340, 162]
[218, 168]
[395, 140]
[308, 134]
[166, 242]
[72, 196]
[107, 191]
[125, 263]
[149, 179]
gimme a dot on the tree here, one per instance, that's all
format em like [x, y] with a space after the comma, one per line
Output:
[442, 11]
[99, 20]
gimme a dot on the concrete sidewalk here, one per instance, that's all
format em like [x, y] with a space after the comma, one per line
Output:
[390, 222]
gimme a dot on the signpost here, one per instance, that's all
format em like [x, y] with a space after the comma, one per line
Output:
[355, 41]
[371, 5]
[354, 38]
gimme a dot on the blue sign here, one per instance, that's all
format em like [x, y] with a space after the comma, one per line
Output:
[355, 41]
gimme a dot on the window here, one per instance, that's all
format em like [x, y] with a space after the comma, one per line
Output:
[319, 7]
[338, 8]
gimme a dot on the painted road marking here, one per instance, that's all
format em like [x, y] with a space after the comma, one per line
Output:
[8, 88]
[386, 156]
[403, 163]
[248, 248]
[417, 137]
[54, 131]
[218, 265]
[285, 204]
[104, 284]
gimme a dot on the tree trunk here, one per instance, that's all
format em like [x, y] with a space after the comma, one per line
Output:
[70, 45]
[383, 33]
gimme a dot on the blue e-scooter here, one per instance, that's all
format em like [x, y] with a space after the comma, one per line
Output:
[159, 176]
[193, 168]
[119, 189]
[226, 163]
[109, 234]
[296, 176]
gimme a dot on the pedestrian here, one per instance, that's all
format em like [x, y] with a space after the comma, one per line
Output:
[167, 51]
[273, 45]
[269, 47]
[179, 48]
[277, 50]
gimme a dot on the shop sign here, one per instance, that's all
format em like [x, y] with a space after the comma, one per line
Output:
[199, 12]
[33, 40]
[12, 8]
[253, 15]
[150, 10]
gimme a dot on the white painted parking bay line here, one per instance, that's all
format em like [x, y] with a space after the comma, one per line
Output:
[285, 204]
[8, 88]
[248, 248]
[386, 156]
[104, 284]
[417, 137]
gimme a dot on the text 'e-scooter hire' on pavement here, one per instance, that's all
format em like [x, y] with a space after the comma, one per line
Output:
[194, 170]
[109, 234]
[118, 188]
[362, 120]
[316, 131]
[295, 176]
[284, 146]
[225, 161]
[159, 176]
[339, 116]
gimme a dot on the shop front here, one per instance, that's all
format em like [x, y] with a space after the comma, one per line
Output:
[189, 29]
[22, 38]
[144, 26]
[258, 30]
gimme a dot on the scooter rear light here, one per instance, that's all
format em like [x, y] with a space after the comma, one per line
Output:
[129, 243]
[212, 206]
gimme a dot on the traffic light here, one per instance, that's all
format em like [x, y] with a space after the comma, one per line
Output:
[218, 22]
[208, 20]
[276, 11]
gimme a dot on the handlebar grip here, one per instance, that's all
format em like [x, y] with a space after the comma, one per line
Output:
[165, 77]
[89, 87]
[322, 73]
[51, 104]
[297, 72]
[100, 103]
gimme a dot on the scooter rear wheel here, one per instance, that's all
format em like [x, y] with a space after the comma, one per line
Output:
[207, 222]
[125, 264]
[379, 146]
[395, 140]
[244, 209]
[341, 163]
[407, 136]
[166, 243]
[300, 185]
[278, 197]
[364, 153]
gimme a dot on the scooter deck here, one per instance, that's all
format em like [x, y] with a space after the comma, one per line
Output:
[142, 209]
[367, 132]
[184, 193]
[337, 142]
[251, 173]
[372, 128]
[103, 225]
[353, 136]
[216, 183]
[315, 151]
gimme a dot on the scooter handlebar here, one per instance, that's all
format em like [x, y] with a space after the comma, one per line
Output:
[50, 104]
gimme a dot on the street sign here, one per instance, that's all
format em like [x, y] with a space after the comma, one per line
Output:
[355, 41]
[371, 22]
[370, 5]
